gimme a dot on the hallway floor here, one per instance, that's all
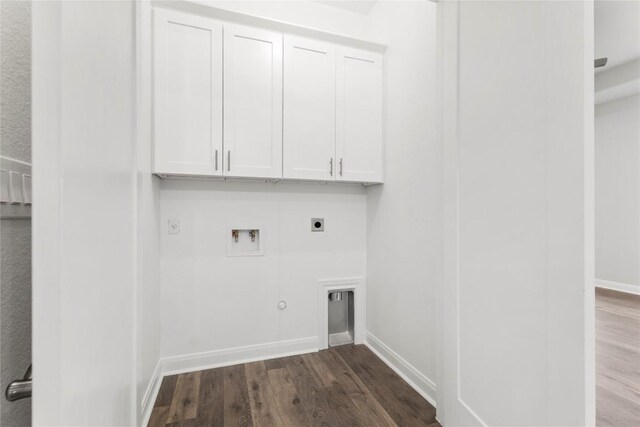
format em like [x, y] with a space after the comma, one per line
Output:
[617, 358]
[342, 386]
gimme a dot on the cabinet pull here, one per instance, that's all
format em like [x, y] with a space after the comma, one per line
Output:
[331, 167]
[216, 160]
[340, 166]
[229, 160]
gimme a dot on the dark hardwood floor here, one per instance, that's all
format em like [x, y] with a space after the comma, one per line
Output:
[617, 359]
[342, 386]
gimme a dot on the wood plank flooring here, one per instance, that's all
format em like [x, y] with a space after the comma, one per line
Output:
[617, 359]
[342, 386]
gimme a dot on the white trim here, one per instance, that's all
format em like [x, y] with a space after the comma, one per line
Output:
[204, 8]
[219, 358]
[46, 229]
[355, 284]
[214, 178]
[618, 286]
[150, 395]
[233, 356]
[440, 353]
[412, 376]
[589, 268]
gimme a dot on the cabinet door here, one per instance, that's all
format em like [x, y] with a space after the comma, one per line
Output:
[359, 116]
[252, 102]
[187, 94]
[309, 109]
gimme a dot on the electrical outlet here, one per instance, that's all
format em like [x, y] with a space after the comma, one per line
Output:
[174, 226]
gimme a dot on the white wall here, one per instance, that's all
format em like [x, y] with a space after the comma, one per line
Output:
[15, 234]
[618, 192]
[84, 227]
[404, 216]
[212, 302]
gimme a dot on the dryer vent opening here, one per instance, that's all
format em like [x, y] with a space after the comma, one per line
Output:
[340, 318]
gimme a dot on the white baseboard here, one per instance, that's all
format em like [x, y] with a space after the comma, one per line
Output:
[219, 358]
[151, 394]
[617, 286]
[417, 380]
[235, 356]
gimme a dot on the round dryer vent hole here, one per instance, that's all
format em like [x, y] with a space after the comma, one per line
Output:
[317, 224]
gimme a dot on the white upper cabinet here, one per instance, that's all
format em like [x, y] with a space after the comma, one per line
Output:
[252, 102]
[187, 94]
[359, 133]
[243, 102]
[309, 109]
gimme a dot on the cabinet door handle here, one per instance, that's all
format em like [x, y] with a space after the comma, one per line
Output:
[216, 159]
[340, 166]
[331, 167]
[229, 160]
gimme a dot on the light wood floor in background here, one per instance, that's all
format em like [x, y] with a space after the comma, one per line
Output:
[617, 359]
[342, 386]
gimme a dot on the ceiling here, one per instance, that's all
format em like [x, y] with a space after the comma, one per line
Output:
[617, 31]
[363, 7]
